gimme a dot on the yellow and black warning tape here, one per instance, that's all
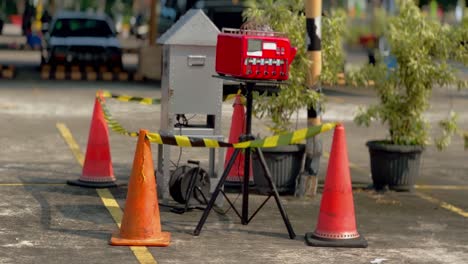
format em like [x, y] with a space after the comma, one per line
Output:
[184, 141]
[268, 142]
[152, 101]
[114, 125]
[129, 98]
[233, 96]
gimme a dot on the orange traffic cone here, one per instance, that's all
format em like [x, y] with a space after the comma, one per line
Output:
[336, 225]
[141, 224]
[236, 174]
[97, 168]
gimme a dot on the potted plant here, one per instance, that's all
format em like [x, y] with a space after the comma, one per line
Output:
[422, 49]
[288, 16]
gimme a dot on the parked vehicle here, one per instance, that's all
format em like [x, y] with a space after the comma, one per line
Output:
[79, 37]
[223, 13]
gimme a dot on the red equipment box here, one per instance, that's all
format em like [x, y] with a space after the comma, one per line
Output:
[254, 54]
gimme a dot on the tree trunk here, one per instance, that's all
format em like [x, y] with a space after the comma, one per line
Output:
[101, 6]
[153, 23]
[20, 6]
[52, 7]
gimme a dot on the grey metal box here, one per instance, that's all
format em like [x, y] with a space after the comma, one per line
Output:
[187, 80]
[187, 87]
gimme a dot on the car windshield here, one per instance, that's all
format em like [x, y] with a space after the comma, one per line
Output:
[81, 28]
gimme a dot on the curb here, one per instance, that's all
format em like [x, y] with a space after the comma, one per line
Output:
[7, 72]
[87, 73]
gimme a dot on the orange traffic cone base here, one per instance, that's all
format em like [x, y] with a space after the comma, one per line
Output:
[90, 184]
[316, 241]
[162, 239]
[336, 226]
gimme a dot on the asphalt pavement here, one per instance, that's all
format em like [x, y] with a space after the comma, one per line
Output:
[43, 220]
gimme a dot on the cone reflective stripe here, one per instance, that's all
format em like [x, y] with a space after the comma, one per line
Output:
[336, 226]
[97, 167]
[236, 173]
[141, 225]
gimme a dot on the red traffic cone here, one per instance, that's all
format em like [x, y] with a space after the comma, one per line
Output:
[336, 225]
[97, 168]
[141, 225]
[236, 174]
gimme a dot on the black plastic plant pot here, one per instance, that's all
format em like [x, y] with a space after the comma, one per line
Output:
[284, 163]
[395, 166]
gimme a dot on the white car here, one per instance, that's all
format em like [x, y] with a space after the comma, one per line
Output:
[79, 37]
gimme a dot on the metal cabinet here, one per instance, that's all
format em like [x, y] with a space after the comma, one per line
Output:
[188, 88]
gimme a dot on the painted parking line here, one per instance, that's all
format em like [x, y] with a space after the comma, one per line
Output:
[31, 184]
[141, 253]
[442, 187]
[67, 136]
[426, 197]
[443, 204]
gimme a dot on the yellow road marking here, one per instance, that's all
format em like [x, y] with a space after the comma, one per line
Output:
[141, 253]
[30, 184]
[441, 187]
[443, 204]
[426, 197]
[67, 136]
[111, 204]
[419, 187]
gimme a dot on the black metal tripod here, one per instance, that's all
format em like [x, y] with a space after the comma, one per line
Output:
[244, 216]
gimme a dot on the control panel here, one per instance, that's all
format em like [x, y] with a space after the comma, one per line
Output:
[254, 54]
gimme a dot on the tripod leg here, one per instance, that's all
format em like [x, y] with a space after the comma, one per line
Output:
[268, 177]
[208, 208]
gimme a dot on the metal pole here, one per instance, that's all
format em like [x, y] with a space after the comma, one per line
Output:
[313, 11]
[52, 7]
[153, 22]
[247, 154]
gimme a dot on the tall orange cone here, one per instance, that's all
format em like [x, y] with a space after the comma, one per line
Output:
[236, 174]
[336, 225]
[97, 168]
[141, 225]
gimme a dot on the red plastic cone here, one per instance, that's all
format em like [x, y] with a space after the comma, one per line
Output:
[336, 225]
[236, 174]
[141, 225]
[97, 168]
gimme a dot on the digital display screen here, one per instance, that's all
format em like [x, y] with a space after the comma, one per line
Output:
[254, 45]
